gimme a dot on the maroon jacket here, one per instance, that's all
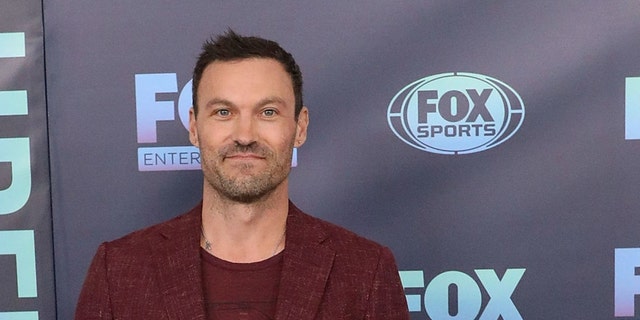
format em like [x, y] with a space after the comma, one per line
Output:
[328, 273]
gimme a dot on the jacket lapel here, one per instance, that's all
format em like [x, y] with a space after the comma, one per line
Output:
[306, 267]
[176, 255]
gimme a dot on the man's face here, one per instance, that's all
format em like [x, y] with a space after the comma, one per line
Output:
[246, 127]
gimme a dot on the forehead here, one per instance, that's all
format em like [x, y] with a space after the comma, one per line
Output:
[246, 82]
[247, 72]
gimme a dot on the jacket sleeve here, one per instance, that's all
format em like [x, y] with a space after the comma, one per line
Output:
[94, 301]
[387, 300]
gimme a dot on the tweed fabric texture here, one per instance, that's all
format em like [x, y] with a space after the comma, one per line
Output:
[328, 272]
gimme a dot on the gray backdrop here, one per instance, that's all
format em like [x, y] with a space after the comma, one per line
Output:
[542, 226]
[26, 247]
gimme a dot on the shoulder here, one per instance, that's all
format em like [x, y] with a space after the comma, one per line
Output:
[345, 243]
[139, 240]
[360, 273]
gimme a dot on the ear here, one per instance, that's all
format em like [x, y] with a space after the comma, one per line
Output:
[193, 128]
[301, 127]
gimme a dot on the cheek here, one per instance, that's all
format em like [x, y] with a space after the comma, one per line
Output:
[207, 135]
[284, 139]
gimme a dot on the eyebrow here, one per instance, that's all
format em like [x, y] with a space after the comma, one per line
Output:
[224, 102]
[263, 102]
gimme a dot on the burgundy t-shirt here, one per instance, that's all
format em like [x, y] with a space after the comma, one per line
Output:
[238, 291]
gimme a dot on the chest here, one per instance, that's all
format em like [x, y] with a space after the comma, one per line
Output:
[240, 290]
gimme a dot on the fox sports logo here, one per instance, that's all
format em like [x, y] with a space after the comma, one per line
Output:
[455, 113]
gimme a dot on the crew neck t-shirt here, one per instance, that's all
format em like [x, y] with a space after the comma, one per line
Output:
[238, 291]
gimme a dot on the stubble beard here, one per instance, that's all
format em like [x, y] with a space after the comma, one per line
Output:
[244, 187]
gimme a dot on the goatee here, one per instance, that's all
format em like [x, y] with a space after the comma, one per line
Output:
[244, 186]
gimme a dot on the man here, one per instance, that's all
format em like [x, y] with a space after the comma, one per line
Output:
[259, 257]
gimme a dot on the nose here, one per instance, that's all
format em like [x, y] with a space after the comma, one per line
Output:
[244, 131]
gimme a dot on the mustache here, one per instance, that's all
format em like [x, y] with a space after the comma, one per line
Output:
[236, 147]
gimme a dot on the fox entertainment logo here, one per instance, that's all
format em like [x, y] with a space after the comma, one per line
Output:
[455, 113]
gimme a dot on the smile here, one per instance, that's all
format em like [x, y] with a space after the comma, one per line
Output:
[244, 156]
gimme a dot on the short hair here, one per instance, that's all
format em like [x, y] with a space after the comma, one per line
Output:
[231, 46]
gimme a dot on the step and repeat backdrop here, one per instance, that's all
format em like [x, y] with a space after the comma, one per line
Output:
[494, 146]
[27, 288]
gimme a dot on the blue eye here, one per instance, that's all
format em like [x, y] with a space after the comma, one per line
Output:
[223, 112]
[269, 112]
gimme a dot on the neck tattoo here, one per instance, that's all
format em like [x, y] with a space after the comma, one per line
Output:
[207, 243]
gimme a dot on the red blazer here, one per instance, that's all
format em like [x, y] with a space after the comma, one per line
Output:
[327, 273]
